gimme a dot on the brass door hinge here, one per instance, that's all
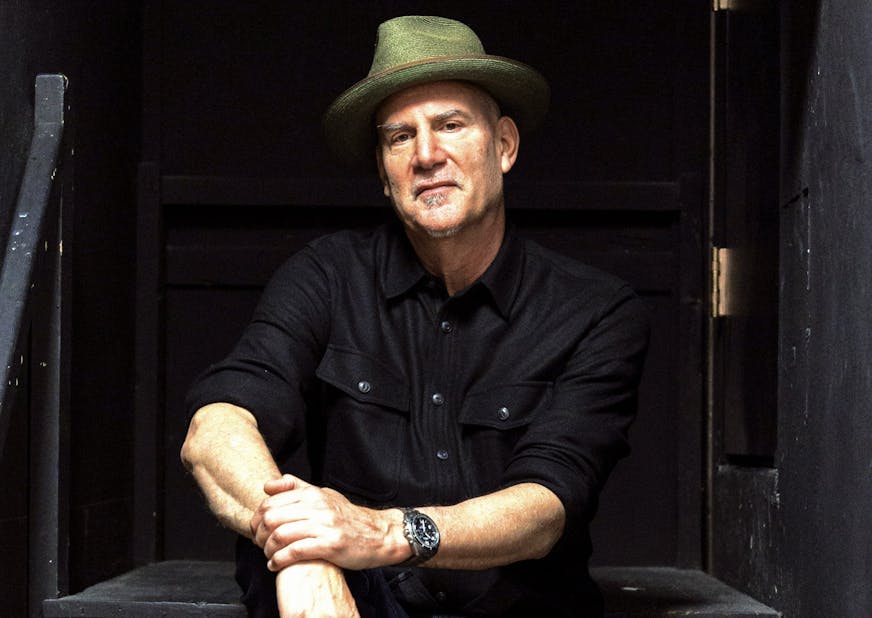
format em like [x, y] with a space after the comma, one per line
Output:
[727, 268]
[740, 6]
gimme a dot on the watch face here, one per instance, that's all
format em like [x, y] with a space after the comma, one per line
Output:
[426, 532]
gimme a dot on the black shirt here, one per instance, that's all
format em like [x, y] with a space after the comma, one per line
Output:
[366, 377]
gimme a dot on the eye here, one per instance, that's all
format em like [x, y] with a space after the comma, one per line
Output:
[451, 126]
[400, 138]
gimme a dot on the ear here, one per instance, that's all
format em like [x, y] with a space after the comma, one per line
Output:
[509, 140]
[381, 171]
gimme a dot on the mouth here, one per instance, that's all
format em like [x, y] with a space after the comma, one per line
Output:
[429, 188]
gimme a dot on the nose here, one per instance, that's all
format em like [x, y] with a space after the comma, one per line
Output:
[428, 150]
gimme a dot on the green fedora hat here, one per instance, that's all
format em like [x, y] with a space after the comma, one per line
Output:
[413, 50]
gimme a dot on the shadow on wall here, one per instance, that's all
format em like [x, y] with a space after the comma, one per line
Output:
[799, 36]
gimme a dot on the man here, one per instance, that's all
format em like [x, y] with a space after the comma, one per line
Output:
[454, 395]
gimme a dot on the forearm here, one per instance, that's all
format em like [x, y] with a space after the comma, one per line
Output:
[301, 522]
[521, 522]
[315, 588]
[230, 461]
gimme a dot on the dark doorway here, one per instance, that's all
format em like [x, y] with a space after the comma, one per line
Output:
[235, 177]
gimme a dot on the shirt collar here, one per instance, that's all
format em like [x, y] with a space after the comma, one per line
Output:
[401, 270]
[503, 277]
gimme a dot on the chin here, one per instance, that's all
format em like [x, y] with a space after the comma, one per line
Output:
[441, 227]
[443, 233]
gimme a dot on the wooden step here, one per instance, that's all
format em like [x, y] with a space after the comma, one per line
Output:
[651, 592]
[193, 588]
[170, 588]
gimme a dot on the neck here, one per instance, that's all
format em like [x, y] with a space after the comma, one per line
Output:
[462, 258]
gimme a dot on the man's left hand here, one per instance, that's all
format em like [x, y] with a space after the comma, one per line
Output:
[300, 522]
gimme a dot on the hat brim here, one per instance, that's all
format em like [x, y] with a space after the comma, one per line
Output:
[520, 91]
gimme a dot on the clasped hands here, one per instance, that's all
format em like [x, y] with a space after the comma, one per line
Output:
[299, 522]
[318, 532]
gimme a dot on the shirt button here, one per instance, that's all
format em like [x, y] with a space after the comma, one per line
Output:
[442, 454]
[441, 596]
[504, 413]
[446, 327]
[364, 387]
[437, 399]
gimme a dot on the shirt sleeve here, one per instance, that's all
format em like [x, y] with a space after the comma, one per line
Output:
[573, 444]
[273, 364]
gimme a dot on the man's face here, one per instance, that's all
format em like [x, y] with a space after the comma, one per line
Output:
[442, 153]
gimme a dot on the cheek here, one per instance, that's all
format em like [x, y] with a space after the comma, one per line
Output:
[493, 167]
[396, 193]
[392, 188]
[389, 179]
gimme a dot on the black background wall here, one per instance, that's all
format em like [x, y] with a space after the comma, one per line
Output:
[615, 177]
[799, 535]
[231, 99]
[97, 45]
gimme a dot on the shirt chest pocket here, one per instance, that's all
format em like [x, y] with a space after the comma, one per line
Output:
[493, 420]
[365, 407]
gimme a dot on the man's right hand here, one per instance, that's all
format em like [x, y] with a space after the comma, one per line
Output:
[314, 590]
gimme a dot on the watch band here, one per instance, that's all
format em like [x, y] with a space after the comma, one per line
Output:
[422, 534]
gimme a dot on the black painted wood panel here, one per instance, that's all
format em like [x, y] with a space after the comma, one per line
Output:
[232, 123]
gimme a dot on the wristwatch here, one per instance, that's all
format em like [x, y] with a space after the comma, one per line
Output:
[422, 534]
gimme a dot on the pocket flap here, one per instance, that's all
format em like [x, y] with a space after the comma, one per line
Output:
[506, 406]
[363, 378]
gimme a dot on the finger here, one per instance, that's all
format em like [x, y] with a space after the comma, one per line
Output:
[261, 534]
[286, 482]
[294, 532]
[254, 524]
[284, 498]
[303, 550]
[270, 521]
[283, 521]
[266, 517]
[304, 499]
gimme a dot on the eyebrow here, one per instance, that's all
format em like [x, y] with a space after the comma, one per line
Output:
[392, 126]
[451, 113]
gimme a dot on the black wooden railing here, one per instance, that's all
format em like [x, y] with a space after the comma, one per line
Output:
[33, 340]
